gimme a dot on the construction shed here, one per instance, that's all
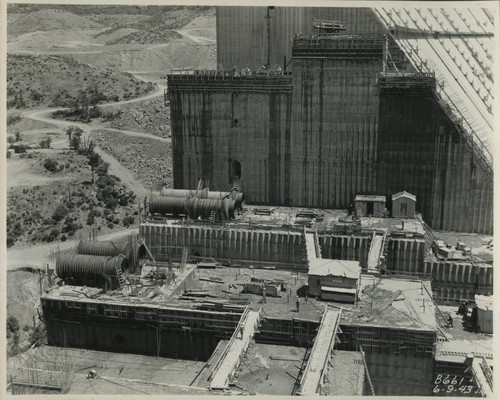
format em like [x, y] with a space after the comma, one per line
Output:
[484, 313]
[403, 205]
[335, 280]
[370, 205]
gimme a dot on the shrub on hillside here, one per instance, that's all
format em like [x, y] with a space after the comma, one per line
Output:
[54, 233]
[12, 325]
[51, 165]
[45, 143]
[59, 213]
[13, 118]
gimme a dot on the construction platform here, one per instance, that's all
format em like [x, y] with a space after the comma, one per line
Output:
[65, 370]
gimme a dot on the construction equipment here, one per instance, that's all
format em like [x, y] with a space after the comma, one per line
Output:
[328, 27]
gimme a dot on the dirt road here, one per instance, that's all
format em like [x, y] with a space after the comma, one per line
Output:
[37, 256]
[188, 33]
[44, 116]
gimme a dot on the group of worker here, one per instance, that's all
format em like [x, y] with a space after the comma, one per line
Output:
[463, 310]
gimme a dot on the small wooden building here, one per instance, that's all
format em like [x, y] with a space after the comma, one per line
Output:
[335, 280]
[403, 205]
[484, 313]
[370, 205]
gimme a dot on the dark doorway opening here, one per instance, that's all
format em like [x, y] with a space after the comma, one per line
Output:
[369, 208]
[235, 170]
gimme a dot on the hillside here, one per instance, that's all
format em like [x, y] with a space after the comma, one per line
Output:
[48, 19]
[150, 36]
[25, 18]
[56, 81]
[150, 116]
[180, 53]
[56, 200]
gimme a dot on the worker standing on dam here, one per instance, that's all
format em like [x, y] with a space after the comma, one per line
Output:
[298, 303]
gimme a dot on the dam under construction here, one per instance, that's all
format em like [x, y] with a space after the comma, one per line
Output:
[329, 192]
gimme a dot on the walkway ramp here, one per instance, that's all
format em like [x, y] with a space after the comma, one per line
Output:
[237, 346]
[483, 375]
[313, 249]
[317, 366]
[375, 252]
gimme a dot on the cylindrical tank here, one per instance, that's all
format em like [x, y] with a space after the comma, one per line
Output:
[178, 193]
[168, 205]
[238, 197]
[193, 207]
[104, 248]
[88, 270]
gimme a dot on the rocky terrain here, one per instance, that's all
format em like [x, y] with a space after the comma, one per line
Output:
[57, 81]
[46, 20]
[150, 116]
[52, 198]
[150, 161]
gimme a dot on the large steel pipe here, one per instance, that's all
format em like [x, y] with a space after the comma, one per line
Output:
[168, 205]
[239, 198]
[89, 270]
[104, 248]
[193, 207]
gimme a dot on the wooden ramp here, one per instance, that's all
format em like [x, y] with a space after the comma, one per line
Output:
[483, 375]
[375, 252]
[313, 249]
[317, 365]
[237, 346]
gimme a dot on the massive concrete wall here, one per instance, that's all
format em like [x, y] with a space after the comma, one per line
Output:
[454, 282]
[341, 247]
[420, 151]
[335, 120]
[333, 129]
[136, 328]
[219, 121]
[247, 246]
[406, 255]
[242, 33]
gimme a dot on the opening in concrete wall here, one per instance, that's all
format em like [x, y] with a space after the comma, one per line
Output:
[235, 171]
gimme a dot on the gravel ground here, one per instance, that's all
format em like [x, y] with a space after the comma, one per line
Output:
[148, 160]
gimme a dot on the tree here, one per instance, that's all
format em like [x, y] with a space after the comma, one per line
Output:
[50, 165]
[45, 143]
[94, 161]
[74, 134]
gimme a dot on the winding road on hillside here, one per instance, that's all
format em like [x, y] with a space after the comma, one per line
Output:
[115, 168]
[36, 256]
[44, 116]
[195, 38]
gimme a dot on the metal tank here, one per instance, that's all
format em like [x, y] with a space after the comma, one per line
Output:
[238, 197]
[91, 270]
[104, 248]
[193, 207]
[168, 205]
